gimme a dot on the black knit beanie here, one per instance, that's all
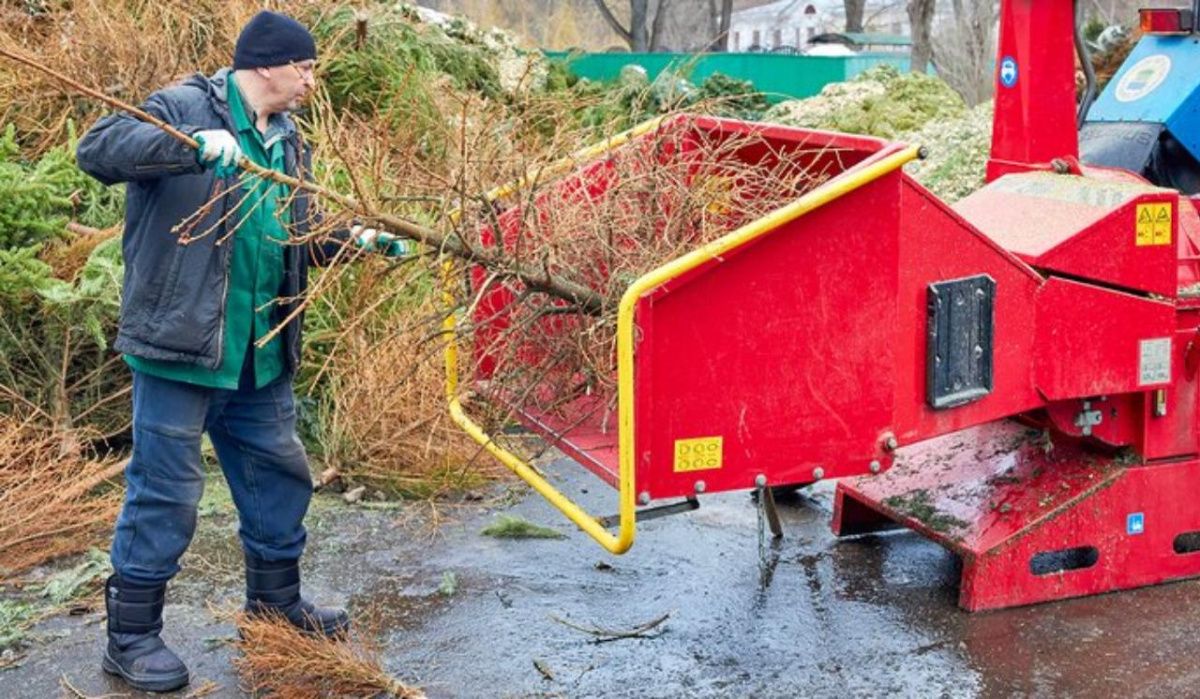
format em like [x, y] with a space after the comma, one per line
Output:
[272, 39]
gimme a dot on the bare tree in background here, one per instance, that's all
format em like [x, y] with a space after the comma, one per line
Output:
[1122, 11]
[646, 20]
[719, 17]
[854, 14]
[920, 18]
[964, 48]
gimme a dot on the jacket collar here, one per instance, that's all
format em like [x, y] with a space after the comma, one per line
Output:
[217, 88]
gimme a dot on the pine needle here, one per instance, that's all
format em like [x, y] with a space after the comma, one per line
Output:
[278, 660]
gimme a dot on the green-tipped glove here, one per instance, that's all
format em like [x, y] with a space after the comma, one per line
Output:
[218, 150]
[391, 245]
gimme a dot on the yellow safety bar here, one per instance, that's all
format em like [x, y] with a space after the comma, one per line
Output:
[625, 318]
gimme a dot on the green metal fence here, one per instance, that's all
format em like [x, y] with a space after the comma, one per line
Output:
[778, 76]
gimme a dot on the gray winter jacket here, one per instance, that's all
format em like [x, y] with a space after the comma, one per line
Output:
[173, 295]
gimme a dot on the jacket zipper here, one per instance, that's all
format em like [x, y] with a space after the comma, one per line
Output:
[228, 121]
[224, 293]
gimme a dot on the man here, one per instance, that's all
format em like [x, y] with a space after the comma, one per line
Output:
[190, 316]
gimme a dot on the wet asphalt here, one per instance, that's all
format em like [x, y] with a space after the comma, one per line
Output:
[464, 615]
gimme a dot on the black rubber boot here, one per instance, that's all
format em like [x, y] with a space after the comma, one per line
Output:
[274, 587]
[135, 652]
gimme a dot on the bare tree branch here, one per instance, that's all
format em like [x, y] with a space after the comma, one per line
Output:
[656, 29]
[613, 22]
[965, 48]
[537, 279]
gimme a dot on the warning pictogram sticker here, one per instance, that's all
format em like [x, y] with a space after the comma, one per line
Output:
[1154, 224]
[698, 454]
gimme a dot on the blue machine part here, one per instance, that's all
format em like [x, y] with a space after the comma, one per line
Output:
[1159, 83]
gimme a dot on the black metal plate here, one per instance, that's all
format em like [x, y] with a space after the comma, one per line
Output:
[959, 354]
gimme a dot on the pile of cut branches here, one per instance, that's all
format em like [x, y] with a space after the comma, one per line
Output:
[59, 288]
[54, 498]
[127, 48]
[374, 389]
[603, 227]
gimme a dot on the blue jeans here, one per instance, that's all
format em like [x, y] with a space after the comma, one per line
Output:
[254, 434]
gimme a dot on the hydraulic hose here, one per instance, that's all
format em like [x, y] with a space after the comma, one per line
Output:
[1089, 72]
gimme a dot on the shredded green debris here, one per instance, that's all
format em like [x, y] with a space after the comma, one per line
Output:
[15, 619]
[1190, 292]
[956, 153]
[881, 102]
[512, 527]
[21, 610]
[1126, 456]
[919, 505]
[910, 107]
[449, 584]
[74, 582]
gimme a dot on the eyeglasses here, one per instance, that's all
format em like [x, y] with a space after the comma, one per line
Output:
[306, 70]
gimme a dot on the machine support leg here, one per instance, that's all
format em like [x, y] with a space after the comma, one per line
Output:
[766, 501]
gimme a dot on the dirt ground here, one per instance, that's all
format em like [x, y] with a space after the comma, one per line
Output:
[465, 615]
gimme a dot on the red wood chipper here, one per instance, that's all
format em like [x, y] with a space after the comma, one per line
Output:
[1014, 376]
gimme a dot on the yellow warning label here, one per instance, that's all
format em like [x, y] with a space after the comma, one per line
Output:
[1153, 224]
[698, 454]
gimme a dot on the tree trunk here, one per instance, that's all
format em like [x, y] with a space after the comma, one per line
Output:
[625, 34]
[656, 28]
[854, 14]
[718, 23]
[920, 18]
[639, 11]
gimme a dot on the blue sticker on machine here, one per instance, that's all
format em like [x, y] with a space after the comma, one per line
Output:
[1135, 523]
[1008, 71]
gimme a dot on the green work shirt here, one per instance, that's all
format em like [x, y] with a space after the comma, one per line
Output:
[256, 270]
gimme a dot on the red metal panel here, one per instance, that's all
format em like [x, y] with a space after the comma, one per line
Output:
[937, 245]
[786, 353]
[1121, 419]
[1003, 498]
[1109, 251]
[1175, 433]
[1082, 227]
[1035, 85]
[1188, 247]
[1091, 341]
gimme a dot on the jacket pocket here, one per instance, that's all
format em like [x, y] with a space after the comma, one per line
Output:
[187, 315]
[170, 285]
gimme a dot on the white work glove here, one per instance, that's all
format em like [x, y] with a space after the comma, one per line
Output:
[218, 149]
[389, 244]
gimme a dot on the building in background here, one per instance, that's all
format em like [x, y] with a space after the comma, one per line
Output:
[789, 26]
[784, 26]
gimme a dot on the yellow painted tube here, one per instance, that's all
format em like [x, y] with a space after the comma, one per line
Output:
[523, 470]
[620, 543]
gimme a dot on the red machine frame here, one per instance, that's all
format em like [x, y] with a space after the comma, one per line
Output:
[804, 347]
